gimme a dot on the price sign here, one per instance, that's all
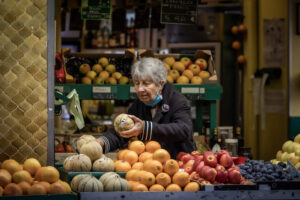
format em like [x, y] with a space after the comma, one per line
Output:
[193, 93]
[104, 92]
[132, 93]
[178, 12]
[95, 9]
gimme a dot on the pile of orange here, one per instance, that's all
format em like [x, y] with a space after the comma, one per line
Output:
[30, 178]
[150, 168]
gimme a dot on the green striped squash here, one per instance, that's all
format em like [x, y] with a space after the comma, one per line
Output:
[104, 165]
[113, 182]
[92, 149]
[86, 183]
[78, 163]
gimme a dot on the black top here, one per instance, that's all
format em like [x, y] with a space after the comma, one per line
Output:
[171, 126]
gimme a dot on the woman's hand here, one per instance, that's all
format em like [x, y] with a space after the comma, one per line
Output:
[136, 130]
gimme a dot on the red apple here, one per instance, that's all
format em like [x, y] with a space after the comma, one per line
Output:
[220, 153]
[193, 153]
[189, 163]
[194, 175]
[180, 163]
[220, 167]
[199, 166]
[222, 176]
[196, 163]
[208, 173]
[179, 155]
[185, 158]
[210, 159]
[198, 157]
[234, 176]
[201, 62]
[226, 160]
[188, 169]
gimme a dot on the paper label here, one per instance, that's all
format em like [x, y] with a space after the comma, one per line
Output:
[190, 90]
[60, 88]
[101, 89]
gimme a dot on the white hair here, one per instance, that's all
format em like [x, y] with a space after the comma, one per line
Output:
[149, 67]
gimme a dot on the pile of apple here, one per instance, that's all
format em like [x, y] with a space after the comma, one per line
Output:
[211, 168]
[186, 71]
[102, 72]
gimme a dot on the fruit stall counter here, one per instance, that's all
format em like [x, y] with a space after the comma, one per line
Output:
[211, 195]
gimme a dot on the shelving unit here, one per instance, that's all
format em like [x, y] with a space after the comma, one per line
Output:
[198, 93]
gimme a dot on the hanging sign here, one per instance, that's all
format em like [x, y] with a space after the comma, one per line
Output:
[178, 12]
[95, 9]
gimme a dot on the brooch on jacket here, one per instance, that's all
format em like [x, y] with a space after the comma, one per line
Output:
[165, 107]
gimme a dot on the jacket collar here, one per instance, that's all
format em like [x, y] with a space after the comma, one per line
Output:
[163, 106]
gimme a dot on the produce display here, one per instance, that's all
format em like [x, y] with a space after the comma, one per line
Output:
[290, 152]
[149, 167]
[260, 171]
[210, 168]
[103, 70]
[186, 71]
[30, 178]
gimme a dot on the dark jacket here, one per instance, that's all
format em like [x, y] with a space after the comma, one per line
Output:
[171, 126]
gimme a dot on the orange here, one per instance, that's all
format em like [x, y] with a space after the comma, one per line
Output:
[137, 146]
[163, 179]
[148, 179]
[131, 157]
[192, 186]
[138, 176]
[132, 184]
[161, 155]
[153, 166]
[122, 166]
[130, 173]
[145, 156]
[121, 153]
[173, 187]
[157, 188]
[139, 187]
[171, 167]
[152, 146]
[181, 178]
[138, 165]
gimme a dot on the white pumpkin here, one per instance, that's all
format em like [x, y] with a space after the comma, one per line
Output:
[104, 165]
[86, 183]
[113, 182]
[83, 140]
[78, 163]
[92, 149]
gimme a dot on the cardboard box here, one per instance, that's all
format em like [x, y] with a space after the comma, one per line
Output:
[205, 54]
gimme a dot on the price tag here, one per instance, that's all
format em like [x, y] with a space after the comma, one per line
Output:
[190, 90]
[60, 88]
[101, 89]
[96, 9]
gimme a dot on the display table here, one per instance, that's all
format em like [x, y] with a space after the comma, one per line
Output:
[211, 195]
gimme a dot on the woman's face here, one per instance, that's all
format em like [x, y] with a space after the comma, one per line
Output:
[146, 89]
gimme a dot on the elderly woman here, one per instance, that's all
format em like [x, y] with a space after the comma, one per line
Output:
[160, 112]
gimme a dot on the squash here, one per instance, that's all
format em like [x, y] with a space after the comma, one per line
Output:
[78, 163]
[113, 182]
[92, 149]
[104, 165]
[86, 183]
[83, 140]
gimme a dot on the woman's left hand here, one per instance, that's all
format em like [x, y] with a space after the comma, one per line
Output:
[136, 130]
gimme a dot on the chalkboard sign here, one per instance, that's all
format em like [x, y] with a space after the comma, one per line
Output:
[178, 12]
[95, 9]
